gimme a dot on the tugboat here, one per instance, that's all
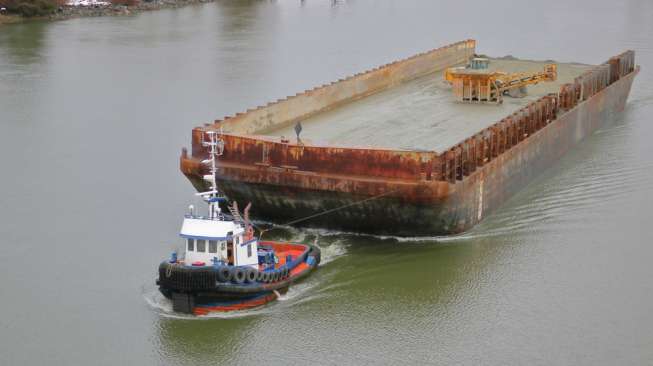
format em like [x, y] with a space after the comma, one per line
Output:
[225, 267]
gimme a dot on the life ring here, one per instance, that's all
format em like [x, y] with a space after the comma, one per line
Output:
[224, 274]
[238, 275]
[250, 275]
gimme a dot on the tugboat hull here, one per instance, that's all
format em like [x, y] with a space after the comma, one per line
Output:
[201, 290]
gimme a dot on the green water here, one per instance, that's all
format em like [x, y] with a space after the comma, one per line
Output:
[94, 113]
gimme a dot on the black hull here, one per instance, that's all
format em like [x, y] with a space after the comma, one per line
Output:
[190, 288]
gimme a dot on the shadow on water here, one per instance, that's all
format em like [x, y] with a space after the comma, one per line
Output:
[240, 16]
[194, 342]
[23, 43]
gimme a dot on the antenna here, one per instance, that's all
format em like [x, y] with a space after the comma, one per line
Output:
[216, 148]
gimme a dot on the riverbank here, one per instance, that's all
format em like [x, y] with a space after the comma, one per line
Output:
[70, 12]
[8, 19]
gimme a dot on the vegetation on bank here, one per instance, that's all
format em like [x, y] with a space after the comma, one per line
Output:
[41, 8]
[16, 11]
[30, 8]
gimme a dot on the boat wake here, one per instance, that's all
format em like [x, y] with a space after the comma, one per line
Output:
[331, 243]
[332, 250]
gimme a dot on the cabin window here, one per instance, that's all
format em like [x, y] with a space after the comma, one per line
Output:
[201, 245]
[223, 245]
[213, 246]
[190, 244]
[249, 249]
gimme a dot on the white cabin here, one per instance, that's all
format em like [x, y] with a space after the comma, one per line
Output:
[209, 240]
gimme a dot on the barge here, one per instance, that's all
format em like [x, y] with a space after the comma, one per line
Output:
[390, 151]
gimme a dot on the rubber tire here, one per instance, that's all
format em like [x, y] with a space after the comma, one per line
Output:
[286, 272]
[266, 277]
[224, 274]
[276, 275]
[250, 275]
[238, 276]
[259, 276]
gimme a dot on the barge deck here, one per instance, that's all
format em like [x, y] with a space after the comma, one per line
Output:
[420, 114]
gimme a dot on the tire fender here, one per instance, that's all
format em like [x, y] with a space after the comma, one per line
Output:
[238, 275]
[224, 274]
[250, 275]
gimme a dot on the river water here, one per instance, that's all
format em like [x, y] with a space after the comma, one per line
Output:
[94, 113]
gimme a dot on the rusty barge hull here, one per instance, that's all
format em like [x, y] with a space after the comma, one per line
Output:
[403, 191]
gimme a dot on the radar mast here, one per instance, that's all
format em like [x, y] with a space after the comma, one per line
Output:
[213, 196]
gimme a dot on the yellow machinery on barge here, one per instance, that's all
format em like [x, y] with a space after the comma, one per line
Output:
[475, 83]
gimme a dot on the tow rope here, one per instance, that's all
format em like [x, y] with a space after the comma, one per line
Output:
[325, 212]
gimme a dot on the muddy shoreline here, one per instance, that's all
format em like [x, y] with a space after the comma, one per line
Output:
[71, 12]
[10, 19]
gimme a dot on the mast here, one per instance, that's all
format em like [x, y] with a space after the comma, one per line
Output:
[213, 197]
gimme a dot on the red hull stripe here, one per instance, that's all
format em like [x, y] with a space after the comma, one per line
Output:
[247, 304]
[299, 269]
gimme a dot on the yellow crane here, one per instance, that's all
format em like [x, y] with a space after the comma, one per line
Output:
[481, 85]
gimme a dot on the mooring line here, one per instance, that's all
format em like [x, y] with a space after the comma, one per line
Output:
[325, 212]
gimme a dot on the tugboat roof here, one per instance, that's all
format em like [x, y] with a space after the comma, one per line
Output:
[201, 228]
